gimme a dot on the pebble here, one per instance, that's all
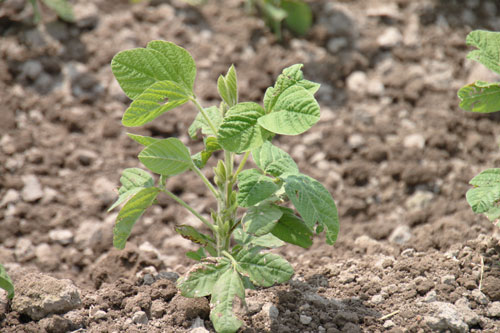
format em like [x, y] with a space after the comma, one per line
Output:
[32, 190]
[356, 141]
[140, 317]
[24, 250]
[172, 276]
[448, 279]
[270, 311]
[61, 236]
[414, 141]
[494, 310]
[400, 235]
[346, 277]
[336, 44]
[99, 314]
[377, 299]
[470, 317]
[390, 37]
[479, 297]
[389, 324]
[357, 82]
[431, 296]
[419, 200]
[446, 317]
[11, 196]
[157, 308]
[306, 320]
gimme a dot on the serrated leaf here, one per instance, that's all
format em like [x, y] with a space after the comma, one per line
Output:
[130, 213]
[239, 131]
[299, 16]
[138, 69]
[188, 232]
[295, 112]
[314, 203]
[273, 160]
[254, 187]
[292, 229]
[480, 97]
[264, 269]
[199, 281]
[260, 220]
[62, 8]
[6, 283]
[166, 157]
[228, 294]
[488, 44]
[143, 140]
[133, 180]
[228, 87]
[488, 177]
[215, 116]
[157, 99]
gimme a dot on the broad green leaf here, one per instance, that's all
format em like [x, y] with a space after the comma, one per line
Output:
[228, 294]
[215, 116]
[267, 241]
[254, 187]
[295, 112]
[292, 229]
[488, 177]
[260, 220]
[488, 44]
[480, 97]
[273, 160]
[196, 255]
[6, 283]
[228, 87]
[314, 203]
[157, 99]
[299, 16]
[290, 76]
[133, 180]
[166, 157]
[310, 86]
[494, 215]
[143, 140]
[482, 199]
[193, 235]
[130, 213]
[239, 131]
[264, 269]
[62, 8]
[199, 281]
[138, 69]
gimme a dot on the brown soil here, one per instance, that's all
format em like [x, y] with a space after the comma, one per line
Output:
[392, 147]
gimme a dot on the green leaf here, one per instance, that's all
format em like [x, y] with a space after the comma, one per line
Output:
[62, 8]
[295, 112]
[299, 16]
[133, 180]
[138, 69]
[264, 269]
[201, 158]
[482, 199]
[130, 213]
[260, 220]
[228, 87]
[488, 177]
[273, 160]
[215, 116]
[199, 281]
[193, 235]
[6, 283]
[166, 157]
[267, 241]
[314, 203]
[228, 294]
[157, 99]
[493, 214]
[480, 97]
[290, 76]
[239, 131]
[143, 140]
[310, 86]
[292, 229]
[488, 44]
[254, 187]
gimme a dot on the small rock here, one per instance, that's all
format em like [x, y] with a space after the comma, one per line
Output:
[389, 324]
[105, 190]
[375, 87]
[140, 317]
[390, 37]
[157, 308]
[46, 256]
[336, 44]
[400, 235]
[448, 279]
[24, 250]
[346, 277]
[356, 141]
[99, 314]
[61, 236]
[86, 15]
[172, 276]
[479, 297]
[253, 306]
[446, 317]
[148, 279]
[89, 234]
[357, 82]
[270, 311]
[38, 295]
[419, 200]
[491, 287]
[31, 69]
[377, 299]
[11, 196]
[494, 310]
[470, 317]
[408, 253]
[306, 320]
[414, 141]
[55, 324]
[32, 190]
[431, 296]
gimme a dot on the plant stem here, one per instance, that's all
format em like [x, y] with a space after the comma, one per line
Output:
[206, 181]
[230, 257]
[242, 164]
[185, 205]
[200, 108]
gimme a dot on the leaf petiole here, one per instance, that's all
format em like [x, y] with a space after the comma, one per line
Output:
[200, 108]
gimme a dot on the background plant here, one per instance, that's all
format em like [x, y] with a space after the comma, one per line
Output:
[6, 282]
[248, 221]
[62, 8]
[484, 97]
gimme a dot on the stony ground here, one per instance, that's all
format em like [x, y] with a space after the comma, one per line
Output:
[392, 147]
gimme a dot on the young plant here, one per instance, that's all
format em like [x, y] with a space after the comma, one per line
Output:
[296, 14]
[252, 212]
[484, 97]
[6, 283]
[62, 8]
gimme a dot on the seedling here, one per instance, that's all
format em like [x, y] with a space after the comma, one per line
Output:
[296, 14]
[62, 8]
[249, 220]
[6, 282]
[484, 97]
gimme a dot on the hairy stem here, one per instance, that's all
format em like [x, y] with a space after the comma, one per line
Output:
[200, 108]
[206, 181]
[242, 164]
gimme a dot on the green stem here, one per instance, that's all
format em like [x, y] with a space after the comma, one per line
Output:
[185, 205]
[205, 180]
[230, 257]
[200, 108]
[242, 164]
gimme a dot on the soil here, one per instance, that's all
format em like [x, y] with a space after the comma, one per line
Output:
[392, 147]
